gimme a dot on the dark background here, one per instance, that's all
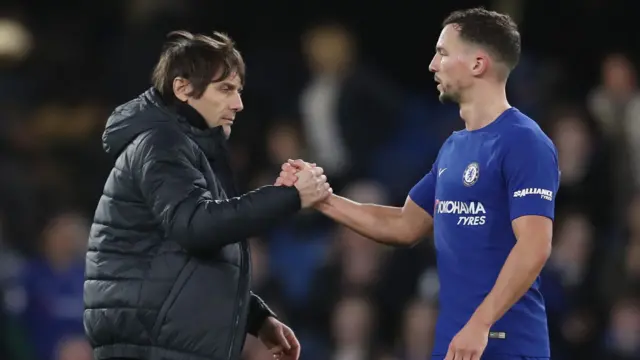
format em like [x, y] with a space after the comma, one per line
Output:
[64, 66]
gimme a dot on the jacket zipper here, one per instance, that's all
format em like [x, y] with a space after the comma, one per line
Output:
[239, 303]
[228, 174]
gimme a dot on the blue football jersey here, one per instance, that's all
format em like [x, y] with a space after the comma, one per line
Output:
[480, 182]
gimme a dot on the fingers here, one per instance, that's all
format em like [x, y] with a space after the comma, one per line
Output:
[313, 173]
[312, 186]
[282, 339]
[294, 351]
[287, 179]
[471, 355]
[290, 169]
[287, 167]
[457, 354]
[450, 355]
[299, 164]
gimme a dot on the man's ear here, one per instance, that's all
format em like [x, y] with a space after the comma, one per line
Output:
[481, 64]
[182, 88]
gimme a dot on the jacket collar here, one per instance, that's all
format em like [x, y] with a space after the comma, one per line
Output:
[212, 141]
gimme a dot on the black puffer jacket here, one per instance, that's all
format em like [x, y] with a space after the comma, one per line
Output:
[168, 267]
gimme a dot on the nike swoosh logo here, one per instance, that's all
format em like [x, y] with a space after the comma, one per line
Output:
[441, 171]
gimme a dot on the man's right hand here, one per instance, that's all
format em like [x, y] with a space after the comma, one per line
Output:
[312, 185]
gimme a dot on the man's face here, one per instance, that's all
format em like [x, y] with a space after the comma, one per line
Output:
[329, 50]
[452, 64]
[220, 103]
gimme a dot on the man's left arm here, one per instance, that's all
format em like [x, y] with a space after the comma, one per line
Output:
[276, 336]
[531, 174]
[258, 313]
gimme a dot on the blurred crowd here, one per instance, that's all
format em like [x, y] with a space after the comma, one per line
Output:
[346, 297]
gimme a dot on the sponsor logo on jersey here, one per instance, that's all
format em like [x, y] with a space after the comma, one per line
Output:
[470, 213]
[544, 193]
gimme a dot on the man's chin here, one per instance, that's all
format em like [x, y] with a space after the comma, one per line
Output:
[226, 129]
[445, 98]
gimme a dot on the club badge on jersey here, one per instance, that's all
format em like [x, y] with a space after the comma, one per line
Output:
[471, 174]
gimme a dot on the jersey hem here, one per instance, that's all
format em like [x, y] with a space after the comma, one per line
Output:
[502, 354]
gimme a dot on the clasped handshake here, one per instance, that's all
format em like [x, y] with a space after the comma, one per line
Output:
[308, 178]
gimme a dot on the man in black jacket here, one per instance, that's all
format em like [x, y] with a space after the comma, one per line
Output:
[168, 266]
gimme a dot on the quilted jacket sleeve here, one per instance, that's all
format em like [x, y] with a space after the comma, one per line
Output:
[176, 192]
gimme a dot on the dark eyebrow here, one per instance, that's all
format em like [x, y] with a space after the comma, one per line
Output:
[231, 85]
[439, 49]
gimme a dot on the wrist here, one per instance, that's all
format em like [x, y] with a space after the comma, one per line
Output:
[481, 318]
[266, 322]
[259, 314]
[324, 206]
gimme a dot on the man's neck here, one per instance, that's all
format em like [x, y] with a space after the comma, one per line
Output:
[483, 107]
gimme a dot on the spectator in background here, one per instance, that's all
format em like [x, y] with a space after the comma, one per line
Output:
[353, 322]
[419, 322]
[284, 142]
[584, 164]
[621, 272]
[53, 285]
[570, 299]
[341, 98]
[13, 343]
[352, 266]
[616, 107]
[623, 339]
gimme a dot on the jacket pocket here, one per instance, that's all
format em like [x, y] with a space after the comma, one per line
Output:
[176, 289]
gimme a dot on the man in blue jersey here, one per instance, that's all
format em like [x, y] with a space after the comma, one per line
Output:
[489, 201]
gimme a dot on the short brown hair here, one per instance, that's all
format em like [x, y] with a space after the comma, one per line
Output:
[201, 59]
[496, 32]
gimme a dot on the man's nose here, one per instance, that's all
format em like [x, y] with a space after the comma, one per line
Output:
[433, 64]
[237, 104]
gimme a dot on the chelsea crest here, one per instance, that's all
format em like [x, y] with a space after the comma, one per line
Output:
[471, 174]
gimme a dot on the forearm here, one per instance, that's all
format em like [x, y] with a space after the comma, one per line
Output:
[522, 267]
[211, 224]
[377, 222]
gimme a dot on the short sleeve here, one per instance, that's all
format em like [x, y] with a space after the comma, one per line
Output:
[424, 192]
[532, 176]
